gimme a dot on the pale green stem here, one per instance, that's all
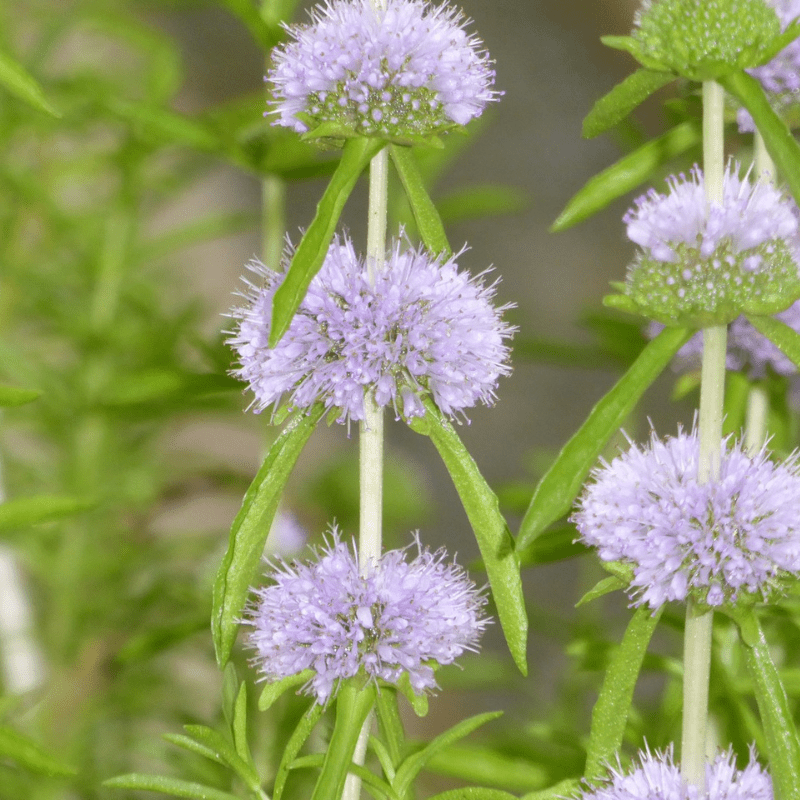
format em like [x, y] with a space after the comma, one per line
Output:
[764, 165]
[371, 427]
[755, 427]
[697, 637]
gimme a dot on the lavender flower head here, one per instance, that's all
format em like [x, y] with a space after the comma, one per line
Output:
[734, 536]
[705, 264]
[327, 617]
[422, 328]
[657, 777]
[405, 71]
[780, 76]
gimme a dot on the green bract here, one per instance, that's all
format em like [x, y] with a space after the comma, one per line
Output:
[703, 39]
[695, 291]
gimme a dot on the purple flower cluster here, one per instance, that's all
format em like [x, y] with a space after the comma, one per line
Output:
[780, 76]
[708, 263]
[657, 777]
[327, 617]
[406, 70]
[422, 328]
[738, 533]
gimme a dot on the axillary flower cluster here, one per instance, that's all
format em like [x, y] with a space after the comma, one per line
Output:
[399, 331]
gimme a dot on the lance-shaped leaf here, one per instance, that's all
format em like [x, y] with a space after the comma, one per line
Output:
[565, 788]
[18, 81]
[610, 713]
[780, 144]
[491, 531]
[780, 334]
[292, 747]
[783, 745]
[560, 485]
[474, 793]
[272, 691]
[250, 529]
[313, 247]
[429, 223]
[416, 762]
[626, 174]
[622, 99]
[15, 396]
[353, 704]
[29, 755]
[174, 787]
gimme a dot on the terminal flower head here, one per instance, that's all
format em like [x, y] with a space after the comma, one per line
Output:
[657, 777]
[704, 39]
[399, 618]
[422, 328]
[705, 264]
[404, 71]
[780, 76]
[732, 536]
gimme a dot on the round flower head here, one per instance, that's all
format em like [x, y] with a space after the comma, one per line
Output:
[703, 39]
[705, 264]
[657, 777]
[780, 76]
[402, 72]
[422, 328]
[738, 534]
[749, 351]
[327, 617]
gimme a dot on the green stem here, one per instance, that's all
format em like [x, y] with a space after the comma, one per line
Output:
[764, 165]
[755, 431]
[698, 630]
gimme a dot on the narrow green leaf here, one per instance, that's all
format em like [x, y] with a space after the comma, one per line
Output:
[780, 143]
[784, 38]
[215, 741]
[239, 727]
[626, 174]
[416, 762]
[250, 529]
[622, 99]
[780, 334]
[474, 793]
[353, 704]
[419, 702]
[560, 485]
[18, 81]
[429, 223]
[175, 787]
[24, 511]
[29, 755]
[193, 746]
[14, 396]
[485, 766]
[602, 587]
[491, 531]
[783, 745]
[391, 725]
[313, 247]
[565, 788]
[292, 747]
[610, 713]
[272, 691]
